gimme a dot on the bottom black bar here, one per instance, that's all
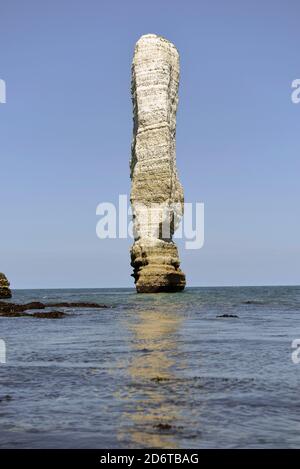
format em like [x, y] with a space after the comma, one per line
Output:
[136, 458]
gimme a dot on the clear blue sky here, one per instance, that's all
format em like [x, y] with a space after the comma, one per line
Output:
[65, 135]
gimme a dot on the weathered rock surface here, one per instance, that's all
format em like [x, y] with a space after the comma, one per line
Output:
[156, 193]
[4, 287]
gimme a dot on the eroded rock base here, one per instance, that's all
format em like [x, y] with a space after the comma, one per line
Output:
[156, 267]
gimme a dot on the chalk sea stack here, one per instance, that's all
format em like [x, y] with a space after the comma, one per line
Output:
[156, 193]
[4, 287]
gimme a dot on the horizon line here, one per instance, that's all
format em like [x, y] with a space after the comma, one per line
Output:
[133, 288]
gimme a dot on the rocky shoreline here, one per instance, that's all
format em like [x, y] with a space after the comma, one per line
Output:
[13, 310]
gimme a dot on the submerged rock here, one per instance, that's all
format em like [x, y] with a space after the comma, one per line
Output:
[49, 315]
[5, 291]
[156, 193]
[228, 316]
[76, 305]
[6, 398]
[163, 426]
[160, 379]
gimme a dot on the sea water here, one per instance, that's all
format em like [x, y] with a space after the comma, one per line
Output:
[153, 370]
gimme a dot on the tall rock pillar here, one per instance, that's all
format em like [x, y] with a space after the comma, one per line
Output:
[156, 193]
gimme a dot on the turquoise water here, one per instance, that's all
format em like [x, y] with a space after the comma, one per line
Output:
[154, 371]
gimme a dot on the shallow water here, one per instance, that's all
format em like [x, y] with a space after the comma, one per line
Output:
[153, 371]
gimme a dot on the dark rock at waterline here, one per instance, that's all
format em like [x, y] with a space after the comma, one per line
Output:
[252, 302]
[42, 315]
[227, 316]
[5, 293]
[32, 305]
[49, 315]
[6, 398]
[15, 310]
[19, 310]
[159, 379]
[4, 287]
[11, 314]
[163, 426]
[75, 305]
